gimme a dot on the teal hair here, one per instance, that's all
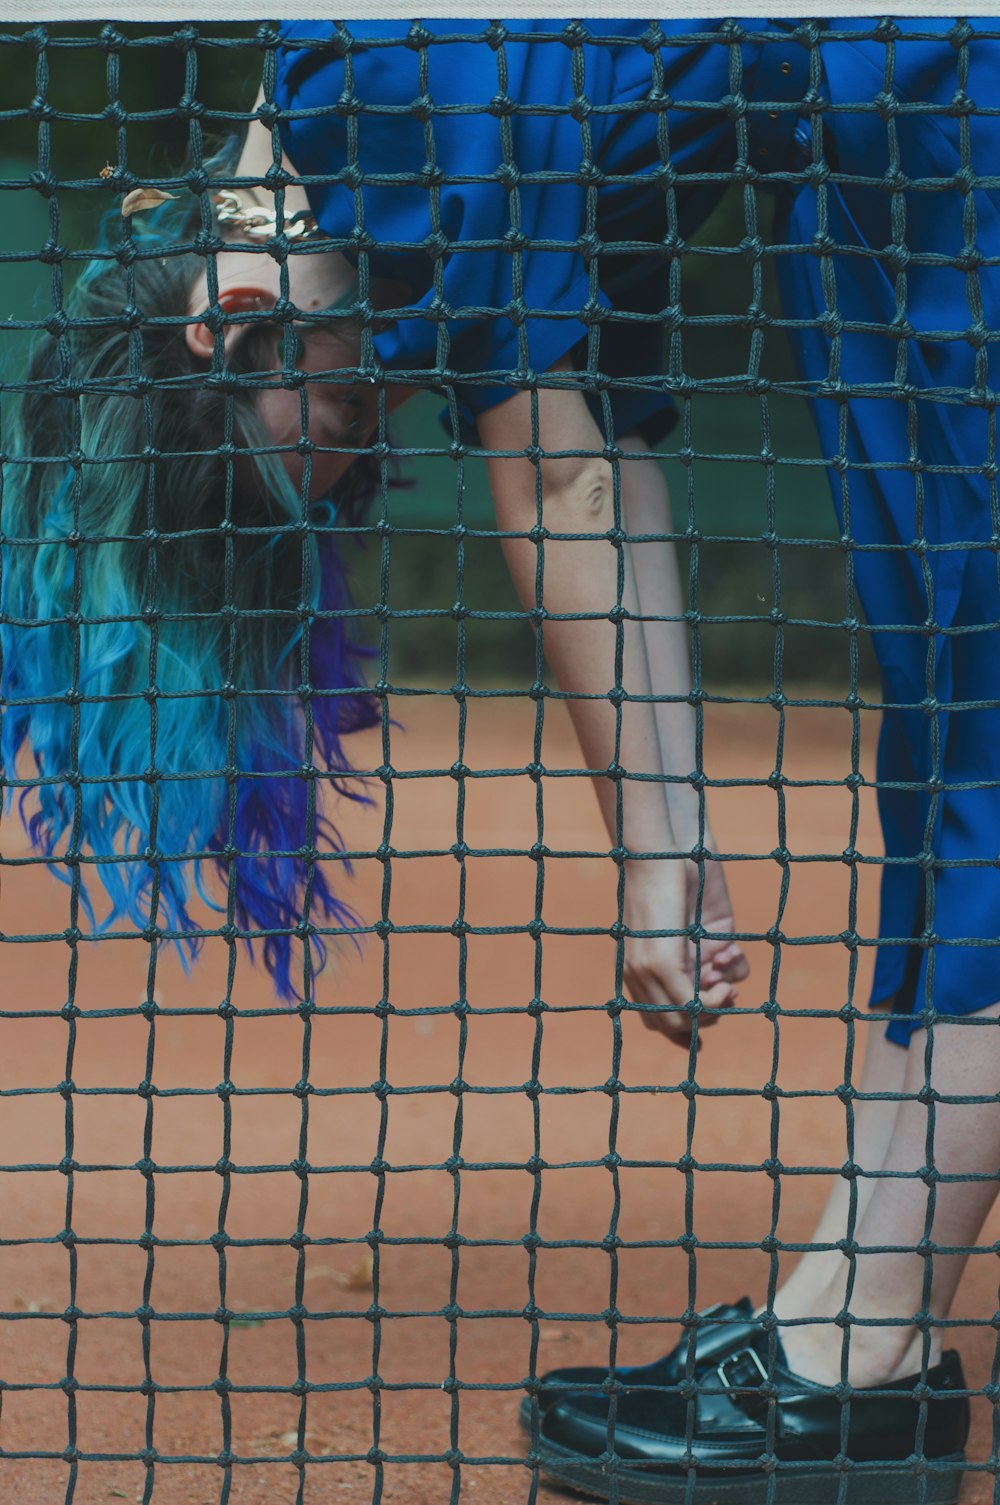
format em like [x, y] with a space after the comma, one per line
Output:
[168, 657]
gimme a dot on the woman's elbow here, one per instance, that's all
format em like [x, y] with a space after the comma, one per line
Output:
[589, 497]
[580, 499]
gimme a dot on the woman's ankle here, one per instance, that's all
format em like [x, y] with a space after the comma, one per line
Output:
[875, 1355]
[808, 1285]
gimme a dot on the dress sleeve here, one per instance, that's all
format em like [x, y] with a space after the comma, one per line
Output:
[456, 189]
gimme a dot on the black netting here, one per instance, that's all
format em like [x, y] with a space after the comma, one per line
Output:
[328, 1241]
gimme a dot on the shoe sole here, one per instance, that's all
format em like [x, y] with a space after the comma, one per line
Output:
[797, 1484]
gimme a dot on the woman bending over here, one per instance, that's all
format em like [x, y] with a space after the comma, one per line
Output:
[501, 216]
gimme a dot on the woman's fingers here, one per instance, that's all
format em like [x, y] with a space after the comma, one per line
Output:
[668, 987]
[731, 972]
[725, 959]
[732, 962]
[736, 960]
[709, 904]
[719, 996]
[666, 973]
[679, 1027]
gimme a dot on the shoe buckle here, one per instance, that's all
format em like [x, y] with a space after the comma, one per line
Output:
[737, 1358]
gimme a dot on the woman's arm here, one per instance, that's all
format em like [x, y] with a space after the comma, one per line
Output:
[576, 494]
[647, 518]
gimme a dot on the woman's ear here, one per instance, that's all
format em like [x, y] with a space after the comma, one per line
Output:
[248, 298]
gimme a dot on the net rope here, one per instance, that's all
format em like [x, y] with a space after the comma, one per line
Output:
[34, 48]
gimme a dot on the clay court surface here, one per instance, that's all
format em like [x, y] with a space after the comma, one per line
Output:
[492, 1125]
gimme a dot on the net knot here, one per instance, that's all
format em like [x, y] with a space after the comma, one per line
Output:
[188, 105]
[184, 38]
[349, 104]
[589, 175]
[573, 33]
[432, 175]
[50, 254]
[269, 113]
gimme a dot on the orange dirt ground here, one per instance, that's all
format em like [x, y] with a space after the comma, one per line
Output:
[422, 1128]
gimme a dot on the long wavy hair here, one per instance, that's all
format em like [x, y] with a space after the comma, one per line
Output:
[178, 652]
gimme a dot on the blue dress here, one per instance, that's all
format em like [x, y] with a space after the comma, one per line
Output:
[427, 153]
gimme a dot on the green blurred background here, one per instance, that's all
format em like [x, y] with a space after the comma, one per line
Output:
[722, 492]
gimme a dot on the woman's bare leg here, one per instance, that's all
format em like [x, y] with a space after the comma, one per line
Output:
[904, 1207]
[883, 1071]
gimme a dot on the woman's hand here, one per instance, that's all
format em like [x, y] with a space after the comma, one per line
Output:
[664, 970]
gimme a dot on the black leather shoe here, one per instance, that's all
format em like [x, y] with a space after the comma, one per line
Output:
[720, 1329]
[739, 1435]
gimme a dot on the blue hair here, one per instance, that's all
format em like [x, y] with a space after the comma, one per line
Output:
[177, 651]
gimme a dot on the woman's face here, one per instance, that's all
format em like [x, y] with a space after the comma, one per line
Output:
[336, 414]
